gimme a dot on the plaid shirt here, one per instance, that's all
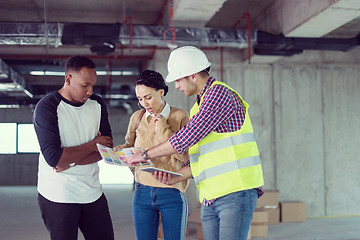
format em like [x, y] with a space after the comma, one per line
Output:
[221, 111]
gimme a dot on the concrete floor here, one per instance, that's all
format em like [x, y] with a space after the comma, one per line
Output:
[20, 219]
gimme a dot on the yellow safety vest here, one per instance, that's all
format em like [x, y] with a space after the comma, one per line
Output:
[223, 163]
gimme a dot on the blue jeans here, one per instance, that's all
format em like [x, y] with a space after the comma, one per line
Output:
[149, 202]
[229, 217]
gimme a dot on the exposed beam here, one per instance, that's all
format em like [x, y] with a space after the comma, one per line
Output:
[320, 23]
[305, 18]
[195, 13]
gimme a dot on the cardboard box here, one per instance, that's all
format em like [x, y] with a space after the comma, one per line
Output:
[292, 211]
[259, 223]
[260, 216]
[270, 199]
[199, 233]
[269, 202]
[273, 214]
[195, 216]
[259, 230]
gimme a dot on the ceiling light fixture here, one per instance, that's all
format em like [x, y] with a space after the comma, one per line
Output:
[99, 73]
[116, 96]
[115, 73]
[46, 73]
[10, 87]
[9, 106]
[28, 93]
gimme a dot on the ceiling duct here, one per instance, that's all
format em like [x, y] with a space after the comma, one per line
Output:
[30, 33]
[202, 37]
[269, 44]
[103, 37]
[100, 35]
[14, 84]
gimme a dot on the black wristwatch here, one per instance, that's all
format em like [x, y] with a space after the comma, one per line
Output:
[143, 155]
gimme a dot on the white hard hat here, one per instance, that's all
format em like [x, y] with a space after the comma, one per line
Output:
[185, 61]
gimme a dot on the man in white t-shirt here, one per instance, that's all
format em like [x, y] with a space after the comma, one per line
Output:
[68, 124]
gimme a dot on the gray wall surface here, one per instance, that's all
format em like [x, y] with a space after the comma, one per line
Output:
[306, 119]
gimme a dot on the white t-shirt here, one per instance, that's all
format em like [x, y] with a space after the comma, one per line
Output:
[60, 123]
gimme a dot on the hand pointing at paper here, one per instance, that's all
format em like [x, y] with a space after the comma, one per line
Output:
[136, 158]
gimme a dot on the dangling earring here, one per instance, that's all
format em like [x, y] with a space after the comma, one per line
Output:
[140, 106]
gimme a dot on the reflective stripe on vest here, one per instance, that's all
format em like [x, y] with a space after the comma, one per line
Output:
[225, 142]
[227, 167]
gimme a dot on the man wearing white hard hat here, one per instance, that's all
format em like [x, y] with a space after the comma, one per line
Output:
[224, 158]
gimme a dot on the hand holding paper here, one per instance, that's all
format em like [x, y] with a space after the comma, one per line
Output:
[119, 157]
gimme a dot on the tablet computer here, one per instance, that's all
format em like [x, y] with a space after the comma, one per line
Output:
[153, 169]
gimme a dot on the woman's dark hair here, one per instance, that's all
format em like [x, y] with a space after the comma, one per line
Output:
[152, 79]
[77, 62]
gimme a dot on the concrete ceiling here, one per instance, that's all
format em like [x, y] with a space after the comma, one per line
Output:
[293, 18]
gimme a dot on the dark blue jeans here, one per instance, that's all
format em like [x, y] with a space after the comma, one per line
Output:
[229, 217]
[62, 220]
[149, 202]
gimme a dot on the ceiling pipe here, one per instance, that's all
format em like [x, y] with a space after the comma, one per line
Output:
[142, 35]
[145, 35]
